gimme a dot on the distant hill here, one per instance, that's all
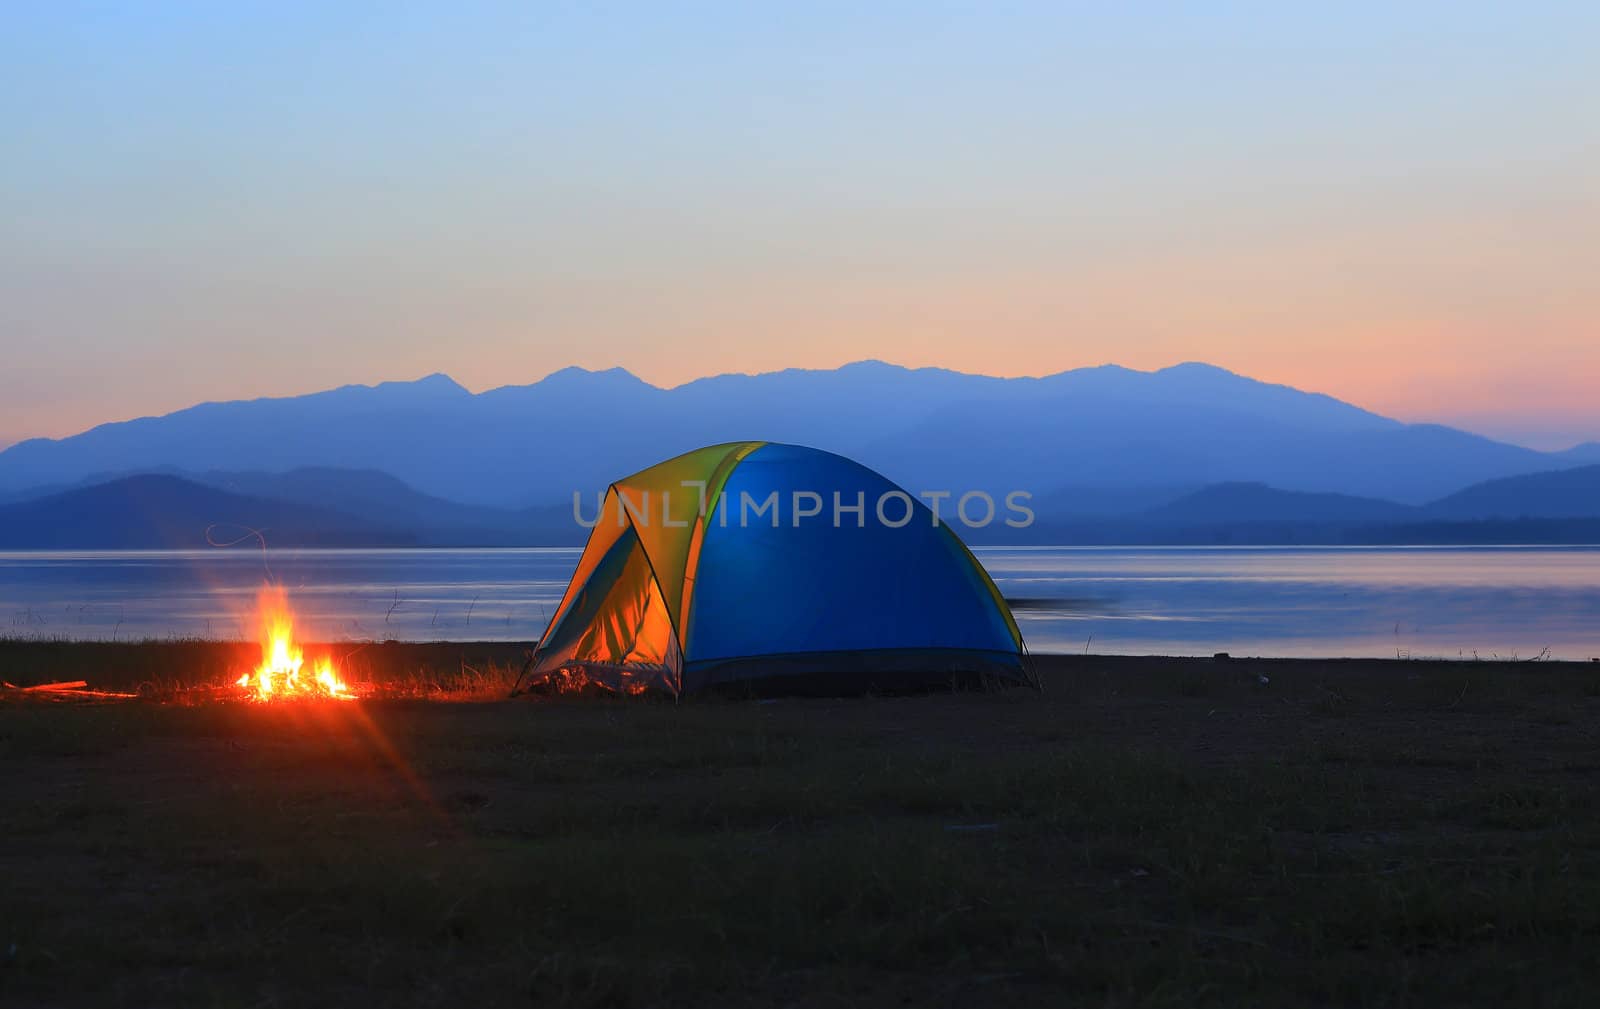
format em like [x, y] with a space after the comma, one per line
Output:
[1568, 493]
[166, 512]
[384, 501]
[526, 446]
[338, 508]
[372, 500]
[1588, 452]
[376, 498]
[1254, 502]
[1100, 502]
[1224, 514]
[1239, 514]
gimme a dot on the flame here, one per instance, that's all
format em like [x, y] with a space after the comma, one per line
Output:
[282, 660]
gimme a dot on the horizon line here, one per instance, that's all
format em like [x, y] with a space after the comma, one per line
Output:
[7, 445]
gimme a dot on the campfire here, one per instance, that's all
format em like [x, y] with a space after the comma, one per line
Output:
[284, 672]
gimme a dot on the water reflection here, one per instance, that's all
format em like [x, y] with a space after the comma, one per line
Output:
[1425, 601]
[1263, 601]
[337, 594]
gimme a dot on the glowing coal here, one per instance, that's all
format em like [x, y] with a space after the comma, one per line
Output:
[283, 672]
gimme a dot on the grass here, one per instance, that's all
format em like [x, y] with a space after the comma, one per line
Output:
[189, 670]
[1143, 833]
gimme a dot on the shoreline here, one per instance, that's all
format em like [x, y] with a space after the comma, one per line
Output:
[176, 665]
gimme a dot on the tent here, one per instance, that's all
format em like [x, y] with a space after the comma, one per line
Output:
[775, 568]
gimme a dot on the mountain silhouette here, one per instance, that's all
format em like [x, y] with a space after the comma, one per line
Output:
[382, 501]
[167, 512]
[1568, 493]
[1105, 430]
[314, 507]
[301, 508]
[1588, 452]
[1254, 502]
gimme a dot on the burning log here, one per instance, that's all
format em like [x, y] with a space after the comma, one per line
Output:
[283, 671]
[64, 690]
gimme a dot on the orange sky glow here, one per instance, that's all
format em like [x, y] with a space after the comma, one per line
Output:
[1388, 205]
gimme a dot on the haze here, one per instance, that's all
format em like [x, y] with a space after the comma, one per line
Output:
[1395, 204]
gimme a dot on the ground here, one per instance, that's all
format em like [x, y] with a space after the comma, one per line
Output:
[1142, 832]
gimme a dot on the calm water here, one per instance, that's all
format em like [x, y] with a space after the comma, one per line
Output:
[1300, 601]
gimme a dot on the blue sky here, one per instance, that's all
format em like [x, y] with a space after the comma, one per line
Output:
[1394, 204]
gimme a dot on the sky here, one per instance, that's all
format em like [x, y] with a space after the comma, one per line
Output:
[1395, 204]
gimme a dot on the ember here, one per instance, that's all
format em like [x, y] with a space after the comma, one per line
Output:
[282, 672]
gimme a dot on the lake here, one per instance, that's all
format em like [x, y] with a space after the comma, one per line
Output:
[1302, 601]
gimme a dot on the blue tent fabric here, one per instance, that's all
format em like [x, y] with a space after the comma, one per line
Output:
[848, 600]
[813, 587]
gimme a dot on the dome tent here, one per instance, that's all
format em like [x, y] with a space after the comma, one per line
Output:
[775, 567]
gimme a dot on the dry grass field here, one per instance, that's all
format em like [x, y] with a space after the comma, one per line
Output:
[1144, 832]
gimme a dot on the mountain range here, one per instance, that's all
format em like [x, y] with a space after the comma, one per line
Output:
[330, 507]
[1192, 447]
[307, 507]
